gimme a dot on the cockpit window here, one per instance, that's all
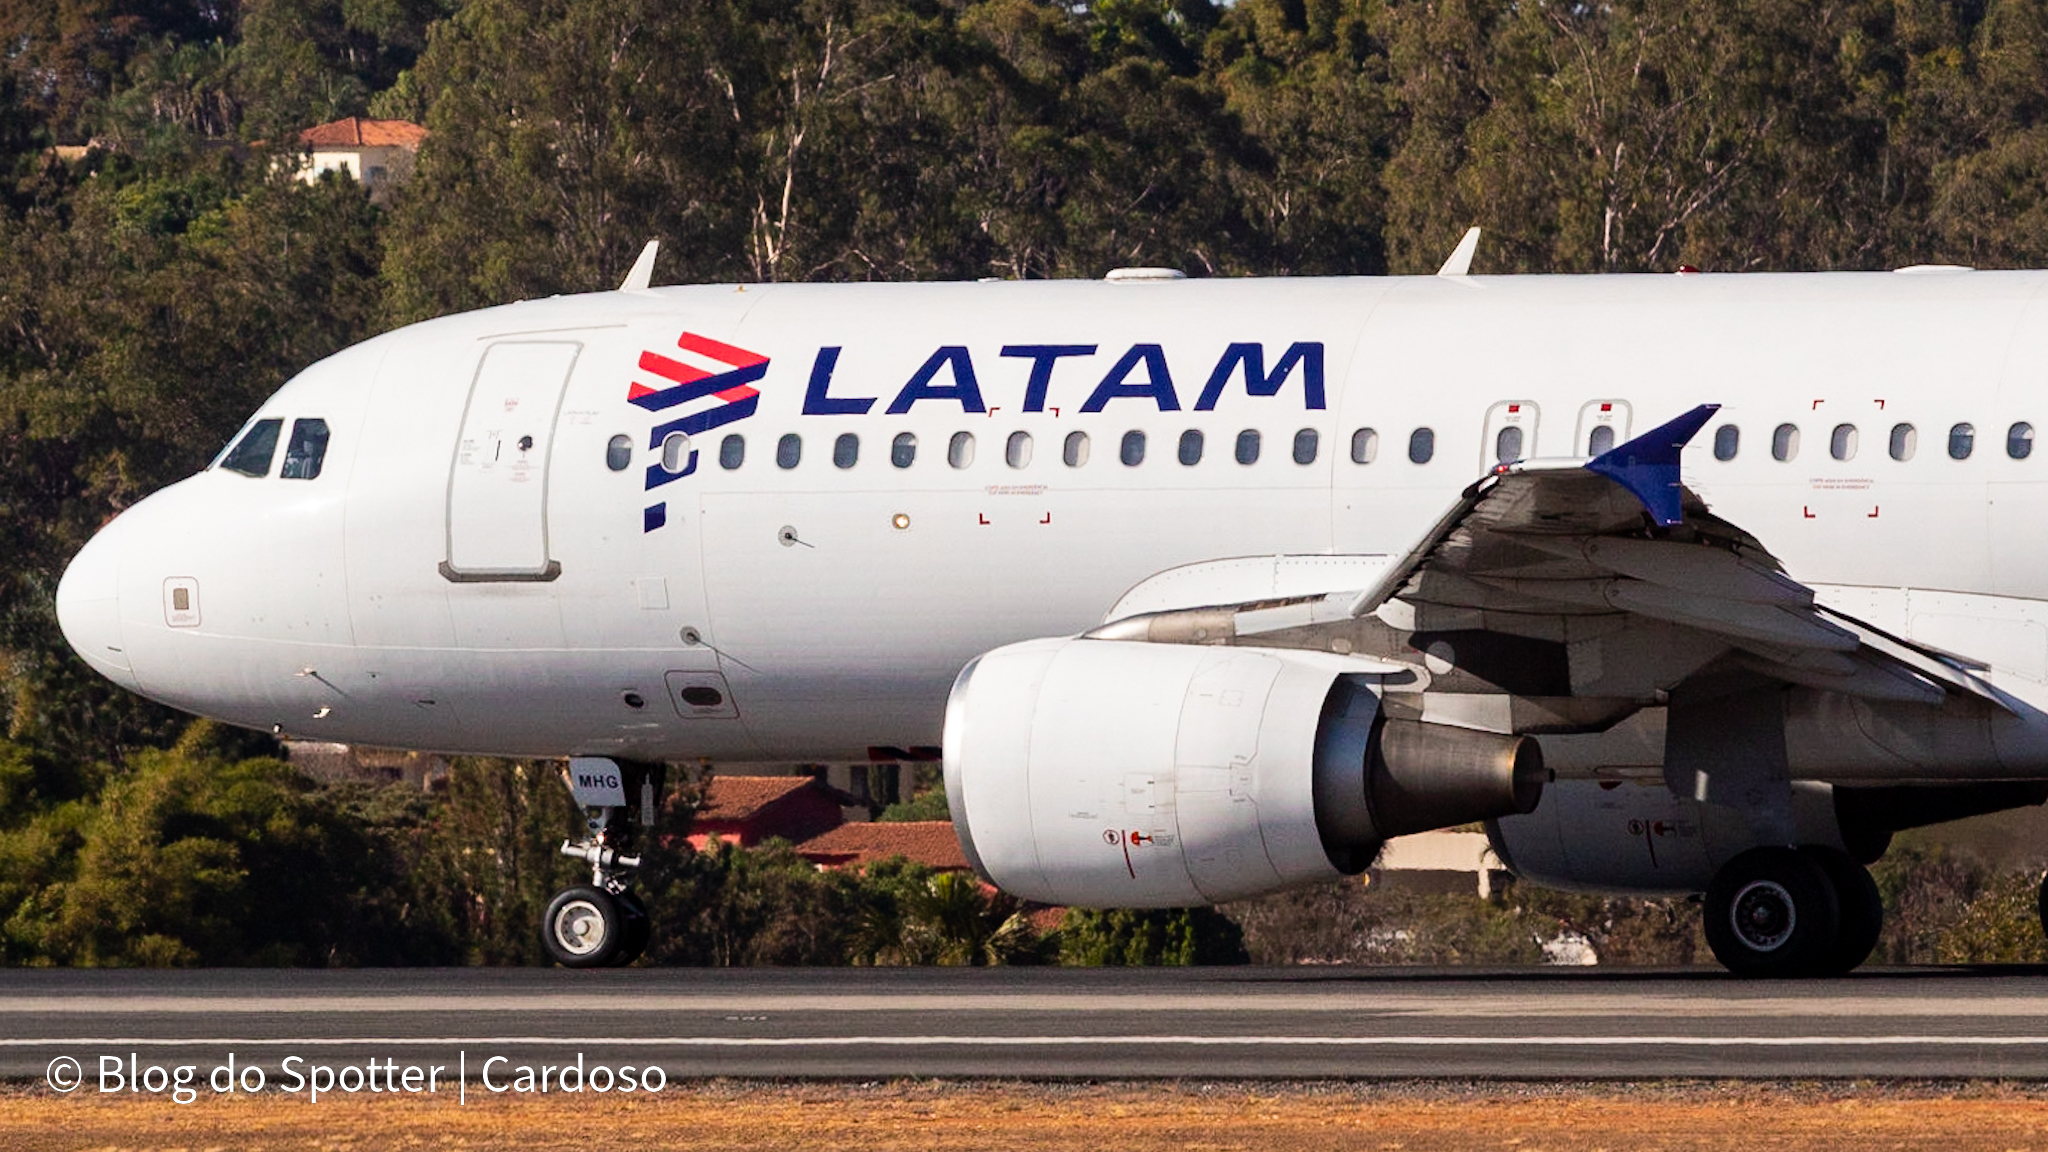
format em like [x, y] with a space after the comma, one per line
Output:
[251, 454]
[306, 451]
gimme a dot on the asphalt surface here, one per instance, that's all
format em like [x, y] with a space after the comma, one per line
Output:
[879, 1023]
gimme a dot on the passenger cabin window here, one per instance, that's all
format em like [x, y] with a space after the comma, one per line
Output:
[675, 451]
[1365, 445]
[960, 450]
[1601, 440]
[732, 452]
[846, 450]
[1785, 442]
[1904, 441]
[1132, 453]
[1842, 445]
[1961, 439]
[1017, 451]
[1075, 451]
[1421, 446]
[789, 451]
[1248, 446]
[1191, 447]
[306, 450]
[1507, 445]
[2019, 440]
[903, 450]
[618, 452]
[1727, 442]
[252, 454]
[1306, 442]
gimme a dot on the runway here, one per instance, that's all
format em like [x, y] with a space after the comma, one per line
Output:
[1300, 1023]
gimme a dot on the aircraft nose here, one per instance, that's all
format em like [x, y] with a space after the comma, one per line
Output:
[89, 607]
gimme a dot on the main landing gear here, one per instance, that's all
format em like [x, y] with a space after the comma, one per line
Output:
[603, 924]
[1777, 912]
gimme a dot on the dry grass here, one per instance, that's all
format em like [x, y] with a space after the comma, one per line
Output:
[1181, 1117]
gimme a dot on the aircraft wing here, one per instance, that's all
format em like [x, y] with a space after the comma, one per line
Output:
[1585, 566]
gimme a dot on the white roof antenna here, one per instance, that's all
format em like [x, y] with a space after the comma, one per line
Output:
[1461, 256]
[643, 269]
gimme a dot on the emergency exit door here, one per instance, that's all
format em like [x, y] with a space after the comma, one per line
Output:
[1510, 433]
[1602, 425]
[498, 483]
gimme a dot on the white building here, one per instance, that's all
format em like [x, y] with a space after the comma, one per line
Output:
[1443, 861]
[377, 154]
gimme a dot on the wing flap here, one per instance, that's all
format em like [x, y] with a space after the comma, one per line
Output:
[1615, 563]
[1621, 534]
[1741, 619]
[1923, 663]
[1706, 571]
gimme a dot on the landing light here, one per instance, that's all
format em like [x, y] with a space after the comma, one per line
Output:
[901, 521]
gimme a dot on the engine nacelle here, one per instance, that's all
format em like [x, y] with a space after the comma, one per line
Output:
[1133, 775]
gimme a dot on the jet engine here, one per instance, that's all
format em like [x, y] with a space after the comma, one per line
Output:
[1124, 774]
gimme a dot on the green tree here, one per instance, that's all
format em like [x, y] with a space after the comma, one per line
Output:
[491, 858]
[951, 919]
[565, 135]
[63, 57]
[929, 804]
[303, 62]
[1176, 937]
[1310, 85]
[1975, 118]
[2001, 926]
[742, 907]
[146, 312]
[188, 857]
[175, 96]
[1638, 135]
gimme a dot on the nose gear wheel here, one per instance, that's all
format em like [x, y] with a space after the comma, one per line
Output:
[584, 928]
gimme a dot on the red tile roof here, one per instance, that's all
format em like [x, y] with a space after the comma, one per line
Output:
[928, 842]
[740, 798]
[361, 132]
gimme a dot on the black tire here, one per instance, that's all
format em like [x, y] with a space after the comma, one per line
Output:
[1771, 912]
[583, 928]
[639, 926]
[1862, 909]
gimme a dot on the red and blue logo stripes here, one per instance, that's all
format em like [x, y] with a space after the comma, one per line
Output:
[718, 398]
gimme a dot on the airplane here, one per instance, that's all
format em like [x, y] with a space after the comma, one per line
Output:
[1199, 589]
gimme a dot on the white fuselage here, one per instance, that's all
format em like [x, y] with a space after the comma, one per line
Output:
[436, 586]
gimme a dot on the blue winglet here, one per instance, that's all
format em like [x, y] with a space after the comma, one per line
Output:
[1648, 465]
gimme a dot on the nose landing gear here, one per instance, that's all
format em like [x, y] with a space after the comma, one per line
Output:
[603, 924]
